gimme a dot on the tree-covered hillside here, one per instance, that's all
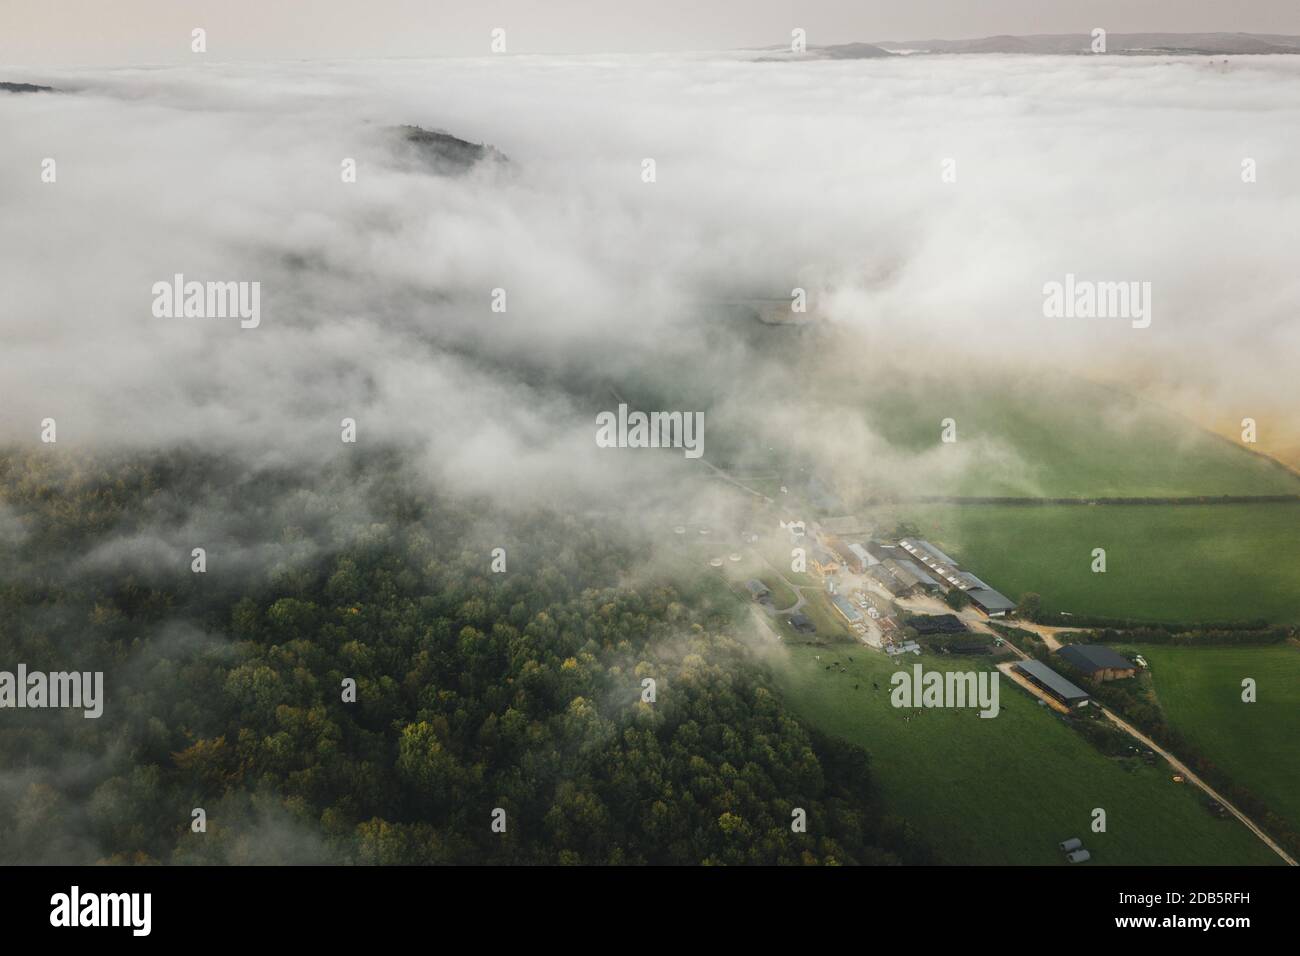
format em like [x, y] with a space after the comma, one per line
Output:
[476, 690]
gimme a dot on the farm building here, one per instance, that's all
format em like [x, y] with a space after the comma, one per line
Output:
[757, 589]
[991, 602]
[846, 609]
[1046, 679]
[946, 574]
[863, 557]
[928, 553]
[1097, 661]
[910, 573]
[824, 561]
[880, 574]
[802, 623]
[938, 563]
[881, 551]
[847, 558]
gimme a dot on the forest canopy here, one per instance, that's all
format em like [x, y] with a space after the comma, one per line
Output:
[475, 692]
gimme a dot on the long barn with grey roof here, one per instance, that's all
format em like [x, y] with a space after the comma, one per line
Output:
[1046, 679]
[991, 602]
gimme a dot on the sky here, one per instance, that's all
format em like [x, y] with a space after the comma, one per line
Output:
[140, 32]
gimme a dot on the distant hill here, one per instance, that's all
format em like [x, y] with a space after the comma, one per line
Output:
[1208, 44]
[441, 152]
[1059, 44]
[840, 51]
[25, 88]
[852, 51]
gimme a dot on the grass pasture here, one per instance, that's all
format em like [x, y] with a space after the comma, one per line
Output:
[753, 566]
[1065, 438]
[1180, 563]
[1006, 790]
[830, 626]
[1257, 745]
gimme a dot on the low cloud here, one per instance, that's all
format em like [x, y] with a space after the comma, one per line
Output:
[827, 176]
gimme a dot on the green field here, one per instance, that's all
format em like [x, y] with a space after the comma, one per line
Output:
[752, 566]
[830, 626]
[1006, 790]
[871, 431]
[1064, 438]
[1033, 438]
[1257, 745]
[1180, 563]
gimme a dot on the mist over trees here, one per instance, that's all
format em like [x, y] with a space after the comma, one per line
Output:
[475, 691]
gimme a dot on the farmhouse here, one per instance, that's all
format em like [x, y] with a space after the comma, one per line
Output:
[757, 589]
[1056, 686]
[1097, 661]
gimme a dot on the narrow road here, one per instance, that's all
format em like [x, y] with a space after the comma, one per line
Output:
[796, 588]
[1174, 762]
[1188, 774]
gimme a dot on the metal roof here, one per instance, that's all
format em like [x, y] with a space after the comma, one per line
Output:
[1094, 657]
[915, 570]
[845, 608]
[924, 545]
[1051, 680]
[991, 600]
[887, 580]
